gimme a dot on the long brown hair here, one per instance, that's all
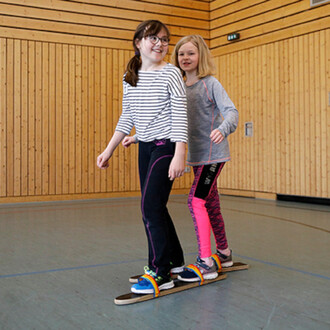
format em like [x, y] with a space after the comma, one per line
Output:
[144, 29]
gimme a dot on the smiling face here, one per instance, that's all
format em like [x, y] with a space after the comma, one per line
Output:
[188, 58]
[152, 51]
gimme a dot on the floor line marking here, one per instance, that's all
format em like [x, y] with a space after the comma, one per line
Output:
[138, 260]
[283, 267]
[70, 268]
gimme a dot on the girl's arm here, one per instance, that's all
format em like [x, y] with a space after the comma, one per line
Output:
[227, 110]
[178, 162]
[103, 158]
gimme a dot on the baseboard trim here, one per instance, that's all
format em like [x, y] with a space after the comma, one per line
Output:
[304, 199]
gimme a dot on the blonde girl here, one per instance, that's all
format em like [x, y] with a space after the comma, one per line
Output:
[212, 116]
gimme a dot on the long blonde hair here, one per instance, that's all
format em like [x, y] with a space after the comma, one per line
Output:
[206, 65]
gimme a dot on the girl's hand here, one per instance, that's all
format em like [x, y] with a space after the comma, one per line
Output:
[176, 168]
[178, 161]
[103, 160]
[128, 140]
[216, 136]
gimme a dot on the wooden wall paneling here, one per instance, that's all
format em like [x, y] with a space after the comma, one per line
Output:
[25, 117]
[109, 115]
[38, 119]
[107, 20]
[115, 115]
[72, 117]
[233, 91]
[245, 110]
[221, 75]
[45, 119]
[195, 4]
[85, 119]
[255, 115]
[246, 107]
[229, 81]
[226, 70]
[278, 115]
[52, 120]
[31, 117]
[301, 116]
[10, 117]
[77, 163]
[312, 112]
[256, 119]
[58, 141]
[3, 117]
[317, 99]
[222, 5]
[65, 119]
[97, 118]
[286, 85]
[272, 107]
[296, 111]
[70, 166]
[91, 117]
[238, 88]
[121, 151]
[265, 129]
[307, 136]
[247, 14]
[325, 114]
[170, 8]
[103, 115]
[292, 31]
[17, 117]
[291, 119]
[260, 25]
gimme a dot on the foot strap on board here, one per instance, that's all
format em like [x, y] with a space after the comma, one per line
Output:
[153, 283]
[217, 261]
[196, 270]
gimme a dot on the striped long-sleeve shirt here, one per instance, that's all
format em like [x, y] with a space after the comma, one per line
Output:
[157, 106]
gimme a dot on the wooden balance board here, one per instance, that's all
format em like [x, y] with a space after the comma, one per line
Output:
[132, 298]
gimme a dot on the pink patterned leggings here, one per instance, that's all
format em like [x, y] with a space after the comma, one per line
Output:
[204, 206]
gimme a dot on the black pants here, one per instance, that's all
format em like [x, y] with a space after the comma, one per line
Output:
[163, 243]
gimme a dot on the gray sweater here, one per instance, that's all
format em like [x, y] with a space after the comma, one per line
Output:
[209, 107]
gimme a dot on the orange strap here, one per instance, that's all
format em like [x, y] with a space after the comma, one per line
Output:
[153, 283]
[197, 272]
[216, 259]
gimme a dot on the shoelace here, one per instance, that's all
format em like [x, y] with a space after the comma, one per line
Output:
[148, 271]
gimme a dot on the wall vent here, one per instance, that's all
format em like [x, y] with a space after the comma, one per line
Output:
[318, 2]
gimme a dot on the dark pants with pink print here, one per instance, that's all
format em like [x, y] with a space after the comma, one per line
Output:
[204, 206]
[164, 246]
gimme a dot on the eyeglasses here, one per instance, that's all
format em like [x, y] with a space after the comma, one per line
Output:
[154, 40]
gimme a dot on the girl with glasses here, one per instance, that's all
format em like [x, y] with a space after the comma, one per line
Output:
[154, 101]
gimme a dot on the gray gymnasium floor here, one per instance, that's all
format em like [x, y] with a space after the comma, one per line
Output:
[63, 263]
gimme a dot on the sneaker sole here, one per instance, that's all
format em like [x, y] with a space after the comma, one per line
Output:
[227, 264]
[209, 276]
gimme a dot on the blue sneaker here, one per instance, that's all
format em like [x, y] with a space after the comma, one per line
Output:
[144, 286]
